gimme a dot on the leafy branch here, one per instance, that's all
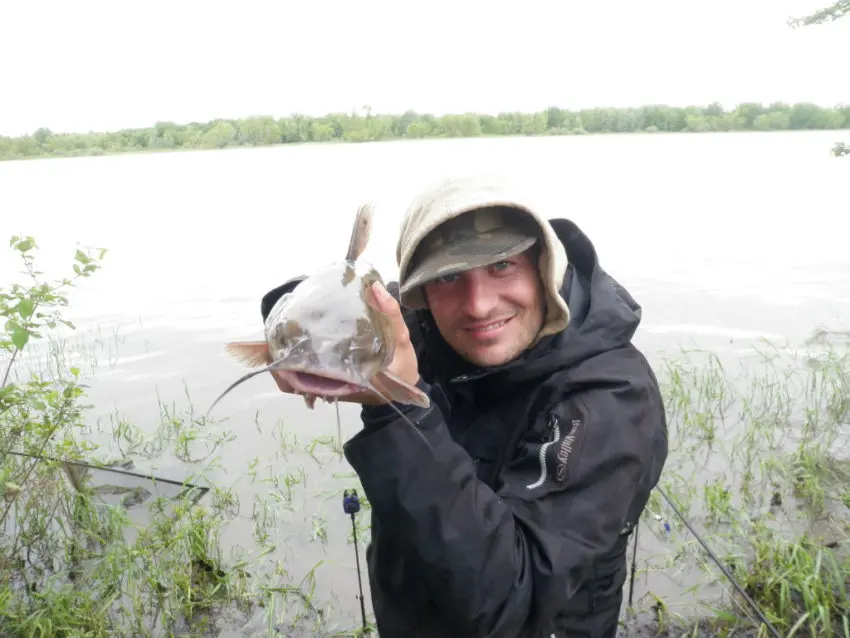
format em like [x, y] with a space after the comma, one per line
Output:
[29, 309]
[33, 412]
[828, 14]
[831, 13]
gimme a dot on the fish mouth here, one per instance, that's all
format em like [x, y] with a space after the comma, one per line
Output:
[317, 384]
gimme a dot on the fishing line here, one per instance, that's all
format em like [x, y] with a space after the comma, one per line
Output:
[188, 487]
[717, 562]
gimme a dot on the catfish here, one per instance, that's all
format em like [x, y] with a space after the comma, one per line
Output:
[324, 338]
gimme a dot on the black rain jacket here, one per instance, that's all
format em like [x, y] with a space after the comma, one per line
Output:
[504, 510]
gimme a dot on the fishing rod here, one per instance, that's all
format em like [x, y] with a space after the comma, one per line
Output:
[351, 505]
[188, 487]
[713, 557]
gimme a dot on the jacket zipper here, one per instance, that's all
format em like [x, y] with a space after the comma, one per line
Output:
[555, 434]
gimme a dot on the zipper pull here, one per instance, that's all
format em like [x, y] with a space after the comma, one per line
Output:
[553, 424]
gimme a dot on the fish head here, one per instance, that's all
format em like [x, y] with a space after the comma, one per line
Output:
[324, 337]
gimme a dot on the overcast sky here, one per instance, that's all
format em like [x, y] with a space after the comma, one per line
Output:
[85, 65]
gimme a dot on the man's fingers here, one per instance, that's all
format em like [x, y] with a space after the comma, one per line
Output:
[385, 301]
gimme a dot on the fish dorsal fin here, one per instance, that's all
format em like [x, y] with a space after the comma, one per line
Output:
[360, 233]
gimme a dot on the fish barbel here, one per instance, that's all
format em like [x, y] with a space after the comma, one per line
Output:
[325, 340]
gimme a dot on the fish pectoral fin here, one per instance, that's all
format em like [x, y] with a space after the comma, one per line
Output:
[251, 353]
[398, 390]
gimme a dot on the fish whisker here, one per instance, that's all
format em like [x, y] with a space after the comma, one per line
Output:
[274, 365]
[338, 423]
[393, 406]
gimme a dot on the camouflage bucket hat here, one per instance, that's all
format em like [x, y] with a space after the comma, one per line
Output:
[473, 239]
[497, 219]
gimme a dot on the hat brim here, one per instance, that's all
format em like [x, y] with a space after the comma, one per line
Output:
[472, 253]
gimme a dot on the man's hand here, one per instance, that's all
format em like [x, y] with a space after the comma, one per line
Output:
[404, 364]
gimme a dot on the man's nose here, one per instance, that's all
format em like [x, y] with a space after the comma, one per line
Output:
[479, 297]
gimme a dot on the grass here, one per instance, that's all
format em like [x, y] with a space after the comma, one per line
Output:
[758, 463]
[760, 466]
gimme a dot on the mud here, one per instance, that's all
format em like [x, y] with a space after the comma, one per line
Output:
[647, 626]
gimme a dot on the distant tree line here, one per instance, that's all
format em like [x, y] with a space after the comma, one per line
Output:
[369, 127]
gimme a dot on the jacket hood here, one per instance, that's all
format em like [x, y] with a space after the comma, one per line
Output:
[604, 317]
[449, 198]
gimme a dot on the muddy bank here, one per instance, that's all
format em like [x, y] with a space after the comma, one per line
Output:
[646, 625]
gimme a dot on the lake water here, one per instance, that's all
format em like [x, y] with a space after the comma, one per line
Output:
[724, 239]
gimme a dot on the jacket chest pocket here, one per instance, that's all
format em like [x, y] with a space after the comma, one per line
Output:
[484, 455]
[483, 441]
[505, 423]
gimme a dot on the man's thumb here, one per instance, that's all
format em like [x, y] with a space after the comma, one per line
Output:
[389, 306]
[384, 298]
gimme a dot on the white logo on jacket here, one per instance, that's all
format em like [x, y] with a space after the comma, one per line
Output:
[565, 450]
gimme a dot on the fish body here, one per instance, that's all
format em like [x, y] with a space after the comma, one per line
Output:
[325, 340]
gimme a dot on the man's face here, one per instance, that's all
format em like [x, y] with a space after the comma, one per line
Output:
[489, 315]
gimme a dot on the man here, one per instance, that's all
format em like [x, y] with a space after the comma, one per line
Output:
[504, 510]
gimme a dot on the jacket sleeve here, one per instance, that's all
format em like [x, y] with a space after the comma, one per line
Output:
[501, 563]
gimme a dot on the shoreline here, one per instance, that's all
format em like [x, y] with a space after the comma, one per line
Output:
[341, 142]
[352, 128]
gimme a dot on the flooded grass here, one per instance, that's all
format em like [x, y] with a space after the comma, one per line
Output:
[91, 550]
[759, 465]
